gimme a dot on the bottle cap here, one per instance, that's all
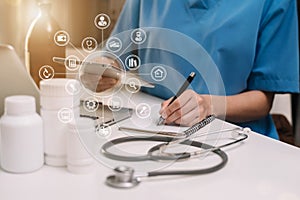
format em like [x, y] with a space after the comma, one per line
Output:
[58, 87]
[19, 105]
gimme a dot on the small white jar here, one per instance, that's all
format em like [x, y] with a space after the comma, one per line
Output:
[78, 159]
[21, 130]
[59, 106]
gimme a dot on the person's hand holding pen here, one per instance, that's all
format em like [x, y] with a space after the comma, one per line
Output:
[188, 109]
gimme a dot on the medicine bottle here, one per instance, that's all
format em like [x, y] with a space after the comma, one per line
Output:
[78, 159]
[21, 130]
[40, 47]
[59, 106]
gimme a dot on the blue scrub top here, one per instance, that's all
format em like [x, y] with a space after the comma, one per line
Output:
[254, 44]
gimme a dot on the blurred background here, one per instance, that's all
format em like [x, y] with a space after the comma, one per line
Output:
[74, 16]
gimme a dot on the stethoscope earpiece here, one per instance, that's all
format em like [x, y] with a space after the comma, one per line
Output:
[123, 178]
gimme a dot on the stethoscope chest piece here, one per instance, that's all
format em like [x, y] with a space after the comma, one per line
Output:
[123, 178]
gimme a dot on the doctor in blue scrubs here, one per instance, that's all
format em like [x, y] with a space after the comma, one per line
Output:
[253, 43]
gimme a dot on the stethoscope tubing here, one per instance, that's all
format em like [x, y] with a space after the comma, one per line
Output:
[167, 141]
[146, 157]
[208, 170]
[218, 152]
[126, 179]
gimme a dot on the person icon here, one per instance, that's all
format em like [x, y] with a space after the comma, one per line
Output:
[102, 22]
[138, 36]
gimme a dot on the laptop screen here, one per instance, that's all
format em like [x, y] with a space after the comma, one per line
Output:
[14, 79]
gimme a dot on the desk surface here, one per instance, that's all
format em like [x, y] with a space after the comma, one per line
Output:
[260, 168]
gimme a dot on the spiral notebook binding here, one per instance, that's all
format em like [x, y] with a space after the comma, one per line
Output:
[196, 127]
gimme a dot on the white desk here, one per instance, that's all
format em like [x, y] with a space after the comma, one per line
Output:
[261, 168]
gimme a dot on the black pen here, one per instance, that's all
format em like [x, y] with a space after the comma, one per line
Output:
[181, 90]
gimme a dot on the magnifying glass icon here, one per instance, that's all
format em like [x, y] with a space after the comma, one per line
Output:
[133, 85]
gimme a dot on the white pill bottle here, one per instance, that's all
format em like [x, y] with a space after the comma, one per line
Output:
[21, 148]
[78, 159]
[59, 106]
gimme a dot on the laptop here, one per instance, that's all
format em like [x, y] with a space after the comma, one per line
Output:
[15, 80]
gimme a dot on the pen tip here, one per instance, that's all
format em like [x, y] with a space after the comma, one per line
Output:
[192, 74]
[160, 121]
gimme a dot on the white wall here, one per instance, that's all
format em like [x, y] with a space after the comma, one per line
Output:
[282, 105]
[74, 16]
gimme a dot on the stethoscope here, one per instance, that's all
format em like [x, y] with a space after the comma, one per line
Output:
[125, 177]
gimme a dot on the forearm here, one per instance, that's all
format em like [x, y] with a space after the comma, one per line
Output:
[243, 107]
[191, 107]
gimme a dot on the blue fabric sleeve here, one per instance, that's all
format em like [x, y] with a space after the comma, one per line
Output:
[276, 66]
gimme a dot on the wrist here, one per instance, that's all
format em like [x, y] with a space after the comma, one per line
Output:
[216, 105]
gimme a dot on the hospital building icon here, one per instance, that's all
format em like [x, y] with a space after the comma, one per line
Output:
[158, 73]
